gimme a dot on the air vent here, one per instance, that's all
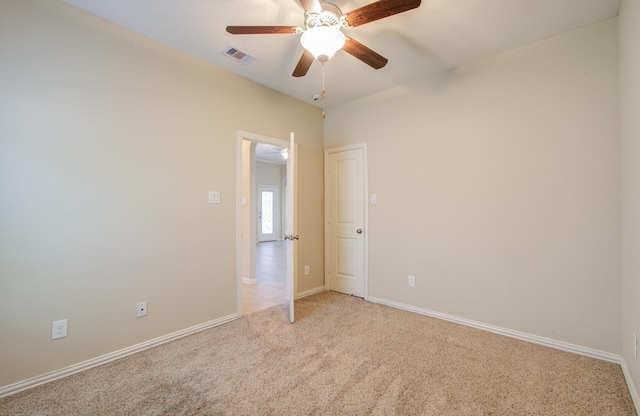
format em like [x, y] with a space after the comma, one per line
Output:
[238, 55]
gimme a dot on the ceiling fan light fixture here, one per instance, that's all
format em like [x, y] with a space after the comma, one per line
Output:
[323, 41]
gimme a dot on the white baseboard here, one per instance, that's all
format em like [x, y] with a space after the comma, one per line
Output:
[565, 346]
[632, 387]
[248, 281]
[310, 292]
[94, 362]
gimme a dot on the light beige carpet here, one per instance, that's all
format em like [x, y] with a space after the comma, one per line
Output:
[344, 356]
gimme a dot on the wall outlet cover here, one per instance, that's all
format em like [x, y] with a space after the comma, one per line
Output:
[59, 329]
[142, 309]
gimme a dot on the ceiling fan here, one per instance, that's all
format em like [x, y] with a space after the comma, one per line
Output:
[264, 149]
[322, 35]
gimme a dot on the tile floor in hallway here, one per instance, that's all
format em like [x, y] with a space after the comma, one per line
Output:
[271, 276]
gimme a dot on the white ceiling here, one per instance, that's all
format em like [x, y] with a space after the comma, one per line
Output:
[269, 153]
[437, 36]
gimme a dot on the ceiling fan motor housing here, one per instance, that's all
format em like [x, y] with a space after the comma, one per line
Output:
[330, 15]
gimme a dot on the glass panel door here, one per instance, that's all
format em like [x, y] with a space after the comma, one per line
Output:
[268, 212]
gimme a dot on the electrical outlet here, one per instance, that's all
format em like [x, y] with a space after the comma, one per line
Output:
[412, 281]
[635, 345]
[59, 329]
[142, 309]
[306, 270]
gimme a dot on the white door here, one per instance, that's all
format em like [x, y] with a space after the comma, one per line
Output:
[268, 213]
[290, 235]
[346, 221]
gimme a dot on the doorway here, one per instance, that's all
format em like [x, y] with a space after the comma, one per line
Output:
[265, 277]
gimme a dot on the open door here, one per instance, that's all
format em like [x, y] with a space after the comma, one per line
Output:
[290, 235]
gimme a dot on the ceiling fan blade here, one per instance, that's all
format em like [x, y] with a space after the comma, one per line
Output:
[311, 5]
[366, 55]
[379, 10]
[303, 64]
[262, 30]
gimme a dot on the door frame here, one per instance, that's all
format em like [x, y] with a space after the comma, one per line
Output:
[256, 138]
[327, 152]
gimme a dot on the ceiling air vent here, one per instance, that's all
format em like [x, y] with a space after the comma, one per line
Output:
[239, 56]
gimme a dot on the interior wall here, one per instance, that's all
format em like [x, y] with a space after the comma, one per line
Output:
[269, 174]
[497, 188]
[109, 143]
[309, 203]
[247, 244]
[629, 44]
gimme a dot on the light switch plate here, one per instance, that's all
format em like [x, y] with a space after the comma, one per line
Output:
[374, 199]
[214, 197]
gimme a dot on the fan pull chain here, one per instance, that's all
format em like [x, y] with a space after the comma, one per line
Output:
[323, 113]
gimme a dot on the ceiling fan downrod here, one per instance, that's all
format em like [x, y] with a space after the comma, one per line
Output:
[324, 114]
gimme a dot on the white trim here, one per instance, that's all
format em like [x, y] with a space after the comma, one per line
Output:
[248, 281]
[366, 223]
[356, 146]
[547, 342]
[326, 219]
[632, 387]
[112, 356]
[310, 292]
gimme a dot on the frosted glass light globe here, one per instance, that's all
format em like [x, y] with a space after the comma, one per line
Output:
[323, 41]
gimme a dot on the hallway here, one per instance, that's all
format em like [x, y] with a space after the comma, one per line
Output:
[271, 276]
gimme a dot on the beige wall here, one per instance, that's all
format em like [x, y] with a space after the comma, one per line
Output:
[109, 142]
[269, 174]
[247, 228]
[497, 187]
[629, 37]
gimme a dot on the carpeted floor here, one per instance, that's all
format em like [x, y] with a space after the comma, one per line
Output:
[344, 356]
